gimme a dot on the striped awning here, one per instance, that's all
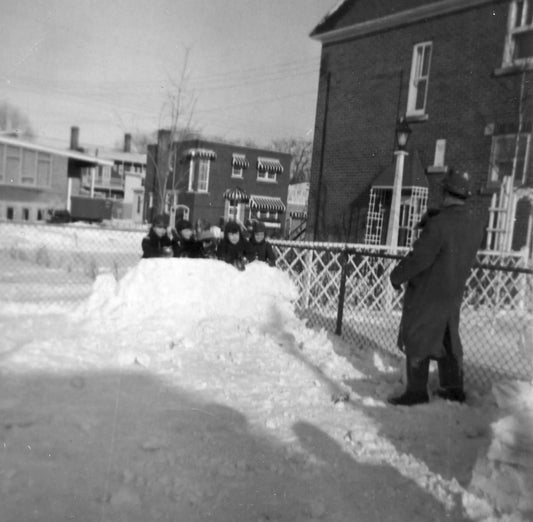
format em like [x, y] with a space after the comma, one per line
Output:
[266, 203]
[269, 165]
[200, 153]
[298, 214]
[239, 161]
[236, 195]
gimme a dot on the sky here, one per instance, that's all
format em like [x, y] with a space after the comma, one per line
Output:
[189, 390]
[109, 67]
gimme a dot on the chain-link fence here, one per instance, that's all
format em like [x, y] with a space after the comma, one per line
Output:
[342, 288]
[346, 289]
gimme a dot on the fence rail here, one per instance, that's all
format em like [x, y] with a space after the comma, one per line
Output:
[343, 288]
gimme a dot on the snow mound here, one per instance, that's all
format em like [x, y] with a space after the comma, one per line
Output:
[504, 474]
[188, 292]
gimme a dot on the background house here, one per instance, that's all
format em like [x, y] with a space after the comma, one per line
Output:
[35, 179]
[460, 72]
[297, 197]
[122, 182]
[200, 179]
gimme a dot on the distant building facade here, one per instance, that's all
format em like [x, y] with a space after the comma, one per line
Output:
[35, 179]
[461, 74]
[297, 209]
[216, 182]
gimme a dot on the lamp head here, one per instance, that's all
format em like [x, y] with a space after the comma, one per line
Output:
[403, 131]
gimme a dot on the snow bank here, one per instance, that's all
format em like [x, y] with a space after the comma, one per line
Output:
[504, 474]
[187, 292]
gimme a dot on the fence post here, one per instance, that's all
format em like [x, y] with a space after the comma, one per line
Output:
[308, 270]
[342, 291]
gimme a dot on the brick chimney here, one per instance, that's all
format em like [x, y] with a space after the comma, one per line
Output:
[75, 138]
[127, 142]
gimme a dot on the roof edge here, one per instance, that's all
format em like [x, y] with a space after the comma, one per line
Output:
[442, 7]
[66, 153]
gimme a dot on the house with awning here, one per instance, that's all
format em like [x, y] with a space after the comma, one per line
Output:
[217, 182]
[36, 179]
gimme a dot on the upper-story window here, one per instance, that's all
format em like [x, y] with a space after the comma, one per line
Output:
[203, 175]
[238, 164]
[199, 175]
[519, 39]
[20, 166]
[268, 169]
[419, 79]
[510, 155]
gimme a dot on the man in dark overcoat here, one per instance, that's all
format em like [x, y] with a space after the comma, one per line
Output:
[435, 273]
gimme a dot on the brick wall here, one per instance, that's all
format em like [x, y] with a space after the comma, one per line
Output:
[368, 84]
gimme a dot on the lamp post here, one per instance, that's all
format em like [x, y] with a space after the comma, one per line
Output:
[403, 132]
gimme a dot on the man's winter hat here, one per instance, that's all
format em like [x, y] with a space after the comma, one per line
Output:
[160, 220]
[458, 184]
[183, 224]
[231, 227]
[259, 226]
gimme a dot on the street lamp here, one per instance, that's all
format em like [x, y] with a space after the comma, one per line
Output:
[403, 132]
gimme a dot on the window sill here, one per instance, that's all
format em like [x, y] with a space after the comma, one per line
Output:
[416, 118]
[271, 181]
[512, 68]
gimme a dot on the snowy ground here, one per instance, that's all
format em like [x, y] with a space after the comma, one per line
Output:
[190, 391]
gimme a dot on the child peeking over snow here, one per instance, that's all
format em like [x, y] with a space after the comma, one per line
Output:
[233, 248]
[261, 249]
[159, 242]
[186, 245]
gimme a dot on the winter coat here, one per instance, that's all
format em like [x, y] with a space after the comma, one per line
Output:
[436, 271]
[233, 254]
[154, 246]
[188, 248]
[262, 251]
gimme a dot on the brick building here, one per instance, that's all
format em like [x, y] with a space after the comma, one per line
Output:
[201, 179]
[460, 72]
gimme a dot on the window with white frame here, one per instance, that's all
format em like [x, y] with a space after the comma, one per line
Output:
[519, 40]
[203, 175]
[419, 79]
[199, 175]
[508, 153]
[265, 175]
[236, 171]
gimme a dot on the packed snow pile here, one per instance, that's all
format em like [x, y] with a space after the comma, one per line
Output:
[191, 391]
[190, 291]
[504, 474]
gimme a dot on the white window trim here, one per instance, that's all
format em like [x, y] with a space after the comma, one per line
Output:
[194, 180]
[527, 152]
[262, 176]
[237, 172]
[415, 76]
[513, 30]
[206, 162]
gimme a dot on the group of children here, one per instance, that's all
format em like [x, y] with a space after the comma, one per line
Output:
[238, 246]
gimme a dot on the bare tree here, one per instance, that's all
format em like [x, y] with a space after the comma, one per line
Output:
[14, 120]
[176, 118]
[300, 149]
